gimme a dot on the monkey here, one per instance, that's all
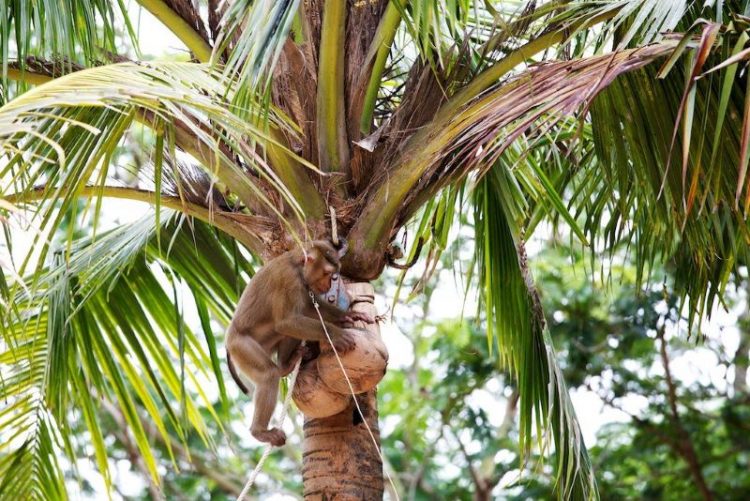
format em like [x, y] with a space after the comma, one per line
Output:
[274, 314]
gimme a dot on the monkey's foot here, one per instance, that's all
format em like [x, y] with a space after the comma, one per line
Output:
[274, 436]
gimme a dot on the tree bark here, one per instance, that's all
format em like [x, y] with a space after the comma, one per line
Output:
[339, 459]
[683, 444]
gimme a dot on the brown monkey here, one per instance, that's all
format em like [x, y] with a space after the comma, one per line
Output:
[274, 314]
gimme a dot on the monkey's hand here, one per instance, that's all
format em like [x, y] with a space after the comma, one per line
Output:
[344, 342]
[356, 316]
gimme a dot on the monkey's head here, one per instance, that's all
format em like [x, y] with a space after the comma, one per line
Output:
[321, 262]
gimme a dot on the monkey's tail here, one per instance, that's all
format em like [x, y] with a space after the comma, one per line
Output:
[236, 376]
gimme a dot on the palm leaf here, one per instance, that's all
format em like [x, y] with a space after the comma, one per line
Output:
[64, 134]
[685, 217]
[452, 146]
[252, 53]
[516, 324]
[74, 31]
[102, 325]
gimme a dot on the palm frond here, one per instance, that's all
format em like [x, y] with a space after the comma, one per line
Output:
[450, 147]
[102, 324]
[437, 28]
[478, 35]
[31, 470]
[640, 22]
[63, 135]
[690, 216]
[252, 35]
[333, 147]
[516, 325]
[76, 31]
[182, 18]
[7, 209]
[374, 67]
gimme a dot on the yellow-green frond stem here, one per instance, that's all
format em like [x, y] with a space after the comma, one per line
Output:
[333, 149]
[492, 74]
[381, 47]
[232, 224]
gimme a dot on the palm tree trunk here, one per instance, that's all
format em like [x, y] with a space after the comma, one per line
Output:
[339, 459]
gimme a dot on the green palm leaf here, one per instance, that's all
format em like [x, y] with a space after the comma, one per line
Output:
[690, 222]
[516, 325]
[102, 324]
[70, 31]
[63, 134]
[252, 53]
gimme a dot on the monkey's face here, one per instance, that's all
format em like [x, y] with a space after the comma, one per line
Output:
[319, 272]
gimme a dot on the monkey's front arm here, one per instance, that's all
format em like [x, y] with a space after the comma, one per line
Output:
[302, 327]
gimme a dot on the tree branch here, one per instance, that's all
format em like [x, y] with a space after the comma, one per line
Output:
[685, 444]
[481, 493]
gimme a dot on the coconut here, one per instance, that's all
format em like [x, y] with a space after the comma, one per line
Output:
[365, 364]
[313, 398]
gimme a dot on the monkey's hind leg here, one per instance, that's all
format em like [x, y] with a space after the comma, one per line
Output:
[254, 362]
[266, 393]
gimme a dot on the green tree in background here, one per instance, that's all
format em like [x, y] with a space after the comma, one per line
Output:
[681, 437]
[626, 119]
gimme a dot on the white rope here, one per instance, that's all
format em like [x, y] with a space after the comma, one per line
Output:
[334, 229]
[269, 447]
[354, 396]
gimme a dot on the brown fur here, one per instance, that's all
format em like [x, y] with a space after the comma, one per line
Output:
[274, 314]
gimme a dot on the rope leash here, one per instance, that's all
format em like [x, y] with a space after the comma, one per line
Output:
[269, 447]
[351, 390]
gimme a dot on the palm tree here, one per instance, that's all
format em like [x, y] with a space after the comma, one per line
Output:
[401, 115]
